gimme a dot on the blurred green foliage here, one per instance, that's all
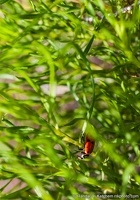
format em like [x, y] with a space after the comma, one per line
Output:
[68, 68]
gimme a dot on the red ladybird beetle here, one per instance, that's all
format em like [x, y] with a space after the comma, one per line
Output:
[88, 147]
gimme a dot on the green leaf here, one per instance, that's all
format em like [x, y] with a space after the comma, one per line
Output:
[3, 1]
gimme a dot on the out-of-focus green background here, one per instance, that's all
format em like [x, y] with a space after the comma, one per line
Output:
[68, 68]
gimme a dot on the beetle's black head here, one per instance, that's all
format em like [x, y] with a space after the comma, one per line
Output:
[83, 155]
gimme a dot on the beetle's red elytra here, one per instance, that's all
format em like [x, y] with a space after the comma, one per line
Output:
[88, 147]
